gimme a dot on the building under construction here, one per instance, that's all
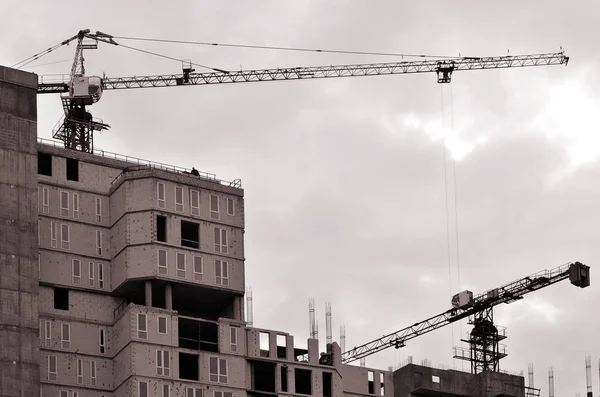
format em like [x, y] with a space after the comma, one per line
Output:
[121, 277]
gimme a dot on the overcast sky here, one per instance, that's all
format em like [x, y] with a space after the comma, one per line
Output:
[344, 178]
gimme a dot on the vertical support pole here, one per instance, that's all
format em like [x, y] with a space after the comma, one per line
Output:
[148, 292]
[168, 296]
[249, 313]
[588, 375]
[328, 333]
[550, 382]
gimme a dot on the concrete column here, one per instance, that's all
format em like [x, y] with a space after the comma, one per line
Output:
[313, 351]
[19, 285]
[148, 294]
[169, 297]
[238, 314]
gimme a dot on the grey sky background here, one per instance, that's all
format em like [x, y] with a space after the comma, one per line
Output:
[344, 178]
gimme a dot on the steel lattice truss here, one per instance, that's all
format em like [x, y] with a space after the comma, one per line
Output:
[505, 294]
[444, 68]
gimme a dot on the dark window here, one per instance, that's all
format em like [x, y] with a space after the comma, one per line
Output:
[303, 381]
[188, 366]
[161, 228]
[45, 164]
[61, 298]
[371, 379]
[190, 234]
[327, 380]
[72, 170]
[264, 376]
[284, 379]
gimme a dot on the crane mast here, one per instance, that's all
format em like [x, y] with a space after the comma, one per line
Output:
[485, 355]
[79, 90]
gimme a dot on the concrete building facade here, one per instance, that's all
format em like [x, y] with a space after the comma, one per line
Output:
[125, 278]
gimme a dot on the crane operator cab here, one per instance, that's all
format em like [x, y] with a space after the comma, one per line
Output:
[579, 275]
[85, 90]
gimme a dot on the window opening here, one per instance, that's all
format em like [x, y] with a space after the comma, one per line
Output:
[99, 242]
[100, 275]
[162, 325]
[161, 228]
[188, 367]
[44, 164]
[65, 242]
[284, 379]
[76, 265]
[61, 298]
[230, 206]
[79, 371]
[142, 326]
[53, 234]
[221, 272]
[76, 205]
[180, 264]
[178, 199]
[197, 268]
[48, 329]
[163, 366]
[52, 370]
[102, 336]
[65, 336]
[64, 204]
[93, 373]
[217, 370]
[194, 202]
[214, 206]
[190, 234]
[220, 240]
[233, 334]
[98, 210]
[72, 170]
[143, 389]
[327, 384]
[162, 262]
[281, 346]
[303, 381]
[45, 199]
[265, 344]
[91, 273]
[160, 194]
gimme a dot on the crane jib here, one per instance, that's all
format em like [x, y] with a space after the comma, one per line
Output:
[443, 68]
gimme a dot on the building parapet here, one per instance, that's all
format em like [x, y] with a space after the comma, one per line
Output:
[126, 162]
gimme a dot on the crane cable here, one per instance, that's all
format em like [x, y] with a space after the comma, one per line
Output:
[448, 239]
[37, 56]
[264, 47]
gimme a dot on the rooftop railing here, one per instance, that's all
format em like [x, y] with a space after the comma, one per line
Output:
[237, 183]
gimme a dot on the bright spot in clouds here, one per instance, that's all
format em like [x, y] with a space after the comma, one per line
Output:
[570, 116]
[531, 308]
[455, 143]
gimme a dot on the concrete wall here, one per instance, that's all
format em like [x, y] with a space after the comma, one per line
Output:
[356, 381]
[416, 379]
[19, 353]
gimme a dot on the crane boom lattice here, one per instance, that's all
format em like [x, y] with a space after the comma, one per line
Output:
[79, 90]
[465, 305]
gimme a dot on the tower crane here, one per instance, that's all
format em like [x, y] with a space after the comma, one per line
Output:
[484, 348]
[79, 91]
